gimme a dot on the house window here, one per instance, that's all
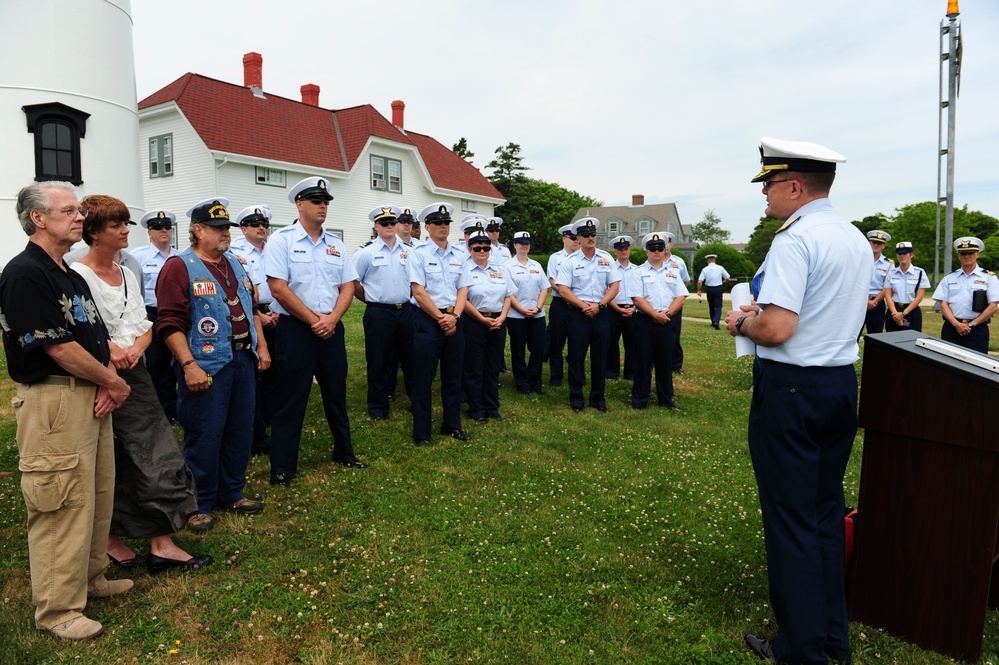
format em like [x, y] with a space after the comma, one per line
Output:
[613, 228]
[161, 156]
[272, 177]
[467, 206]
[58, 129]
[382, 165]
[644, 226]
[337, 232]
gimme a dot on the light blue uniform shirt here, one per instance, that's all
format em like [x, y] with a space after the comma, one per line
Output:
[588, 279]
[151, 260]
[819, 267]
[253, 261]
[383, 271]
[659, 287]
[678, 264]
[437, 271]
[314, 270]
[881, 269]
[499, 254]
[623, 296]
[528, 283]
[554, 261]
[713, 275]
[905, 284]
[487, 287]
[957, 289]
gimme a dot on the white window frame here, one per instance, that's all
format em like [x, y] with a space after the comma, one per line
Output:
[467, 205]
[643, 227]
[614, 228]
[271, 177]
[386, 174]
[161, 156]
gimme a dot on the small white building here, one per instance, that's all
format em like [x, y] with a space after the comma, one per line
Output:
[200, 137]
[67, 104]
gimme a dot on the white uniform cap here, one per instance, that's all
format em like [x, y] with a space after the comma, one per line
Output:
[160, 216]
[436, 212]
[903, 247]
[620, 240]
[567, 229]
[711, 256]
[309, 187]
[879, 236]
[655, 236]
[384, 212]
[522, 237]
[586, 222]
[478, 236]
[969, 244]
[801, 156]
[497, 221]
[254, 213]
[472, 222]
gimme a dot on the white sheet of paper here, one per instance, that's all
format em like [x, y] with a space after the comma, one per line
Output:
[741, 296]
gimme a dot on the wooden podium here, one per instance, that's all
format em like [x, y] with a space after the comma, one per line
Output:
[925, 548]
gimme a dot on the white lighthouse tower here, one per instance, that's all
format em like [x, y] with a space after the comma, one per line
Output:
[67, 103]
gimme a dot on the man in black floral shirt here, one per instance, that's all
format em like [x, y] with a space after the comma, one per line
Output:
[57, 350]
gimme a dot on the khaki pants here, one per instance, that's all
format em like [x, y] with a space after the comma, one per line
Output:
[67, 460]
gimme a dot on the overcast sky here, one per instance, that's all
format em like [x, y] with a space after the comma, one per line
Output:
[662, 98]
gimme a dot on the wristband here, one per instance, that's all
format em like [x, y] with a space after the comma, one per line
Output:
[186, 363]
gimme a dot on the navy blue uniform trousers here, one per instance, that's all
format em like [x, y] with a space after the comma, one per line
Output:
[655, 344]
[558, 331]
[388, 341]
[621, 327]
[976, 340]
[715, 298]
[300, 355]
[434, 347]
[481, 369]
[677, 348]
[527, 336]
[802, 423]
[915, 319]
[874, 320]
[586, 333]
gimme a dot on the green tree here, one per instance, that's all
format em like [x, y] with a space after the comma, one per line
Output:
[709, 229]
[872, 222]
[761, 238]
[540, 208]
[461, 149]
[507, 167]
[736, 263]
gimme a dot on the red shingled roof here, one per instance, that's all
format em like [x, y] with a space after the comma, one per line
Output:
[229, 118]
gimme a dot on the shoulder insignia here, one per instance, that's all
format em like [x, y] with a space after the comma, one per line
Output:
[366, 244]
[990, 272]
[891, 261]
[787, 224]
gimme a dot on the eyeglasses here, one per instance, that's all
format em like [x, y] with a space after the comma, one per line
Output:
[159, 227]
[386, 222]
[656, 248]
[480, 248]
[255, 224]
[73, 212]
[441, 222]
[769, 183]
[317, 201]
[587, 234]
[570, 236]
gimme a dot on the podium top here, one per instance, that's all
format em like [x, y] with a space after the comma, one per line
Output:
[904, 342]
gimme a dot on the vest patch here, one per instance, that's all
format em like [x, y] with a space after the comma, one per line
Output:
[208, 326]
[204, 287]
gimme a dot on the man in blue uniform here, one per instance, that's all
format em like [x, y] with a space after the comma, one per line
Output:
[588, 283]
[312, 281]
[434, 269]
[811, 301]
[677, 264]
[874, 322]
[968, 298]
[558, 311]
[383, 285]
[712, 278]
[159, 225]
[621, 315]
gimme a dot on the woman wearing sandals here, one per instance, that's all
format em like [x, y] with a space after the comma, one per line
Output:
[154, 490]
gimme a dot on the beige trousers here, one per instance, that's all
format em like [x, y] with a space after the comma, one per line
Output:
[67, 464]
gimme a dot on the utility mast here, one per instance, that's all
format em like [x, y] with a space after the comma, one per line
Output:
[951, 46]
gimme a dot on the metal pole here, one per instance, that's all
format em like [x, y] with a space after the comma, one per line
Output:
[953, 65]
[940, 152]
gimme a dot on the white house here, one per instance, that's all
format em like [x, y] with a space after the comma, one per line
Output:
[199, 137]
[67, 107]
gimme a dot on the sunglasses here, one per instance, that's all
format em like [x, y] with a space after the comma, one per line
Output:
[587, 234]
[159, 227]
[386, 222]
[442, 222]
[656, 248]
[256, 224]
[317, 201]
[480, 248]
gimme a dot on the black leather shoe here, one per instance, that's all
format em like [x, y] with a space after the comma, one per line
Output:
[134, 562]
[577, 409]
[602, 408]
[555, 384]
[351, 463]
[423, 443]
[157, 564]
[482, 421]
[678, 372]
[377, 418]
[459, 434]
[497, 417]
[540, 391]
[762, 648]
[281, 479]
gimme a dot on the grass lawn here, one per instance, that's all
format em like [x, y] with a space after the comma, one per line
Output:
[626, 537]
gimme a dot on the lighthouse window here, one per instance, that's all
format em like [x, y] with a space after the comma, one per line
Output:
[58, 129]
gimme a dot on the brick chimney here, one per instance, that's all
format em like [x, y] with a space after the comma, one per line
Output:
[398, 111]
[253, 71]
[638, 199]
[310, 94]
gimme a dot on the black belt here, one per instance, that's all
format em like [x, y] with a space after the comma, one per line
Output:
[901, 305]
[489, 315]
[625, 306]
[60, 380]
[446, 310]
[983, 323]
[264, 307]
[241, 346]
[382, 305]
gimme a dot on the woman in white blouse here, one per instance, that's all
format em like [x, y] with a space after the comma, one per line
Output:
[154, 489]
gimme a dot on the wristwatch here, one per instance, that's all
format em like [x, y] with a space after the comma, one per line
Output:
[738, 323]
[602, 306]
[971, 324]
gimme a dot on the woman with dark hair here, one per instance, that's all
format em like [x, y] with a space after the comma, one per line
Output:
[154, 490]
